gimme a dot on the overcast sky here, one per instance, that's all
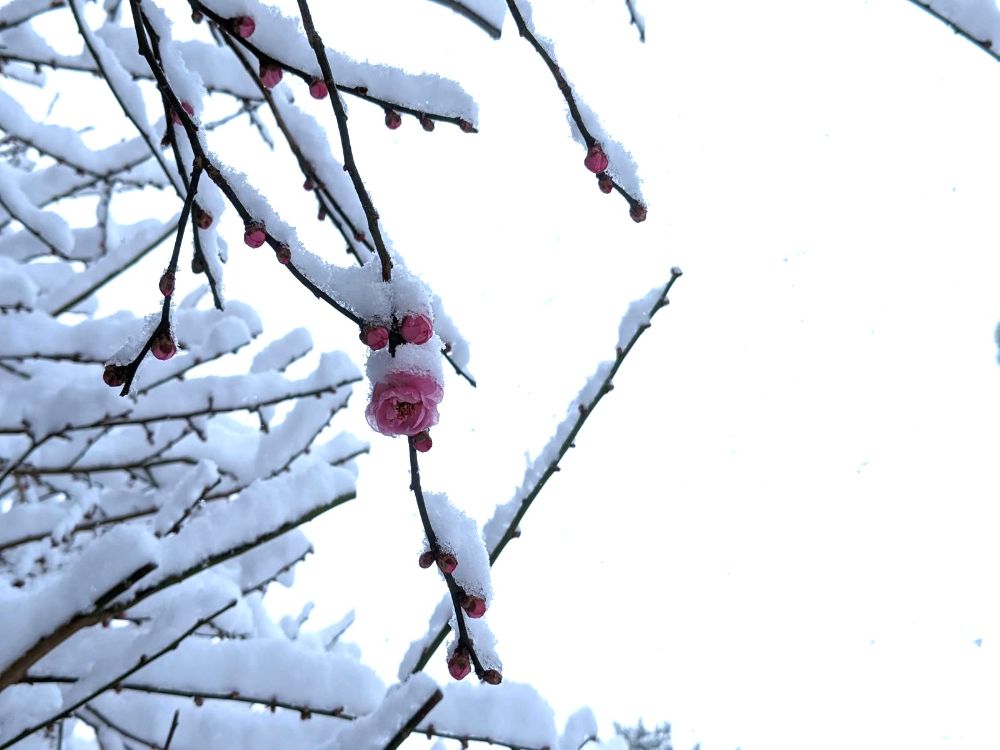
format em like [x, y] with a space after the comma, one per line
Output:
[779, 531]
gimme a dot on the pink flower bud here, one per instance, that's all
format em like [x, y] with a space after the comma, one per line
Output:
[375, 337]
[167, 284]
[318, 89]
[308, 185]
[114, 376]
[638, 212]
[204, 220]
[176, 117]
[492, 676]
[458, 665]
[283, 254]
[605, 184]
[465, 126]
[244, 26]
[422, 441]
[164, 348]
[254, 235]
[426, 559]
[270, 75]
[416, 329]
[447, 562]
[426, 123]
[392, 119]
[596, 160]
[474, 606]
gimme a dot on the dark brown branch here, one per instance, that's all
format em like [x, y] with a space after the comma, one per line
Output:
[19, 667]
[173, 728]
[143, 661]
[110, 724]
[584, 412]
[635, 205]
[636, 20]
[319, 49]
[464, 639]
[468, 13]
[986, 45]
[414, 720]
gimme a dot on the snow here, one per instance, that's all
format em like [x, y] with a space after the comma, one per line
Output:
[511, 712]
[457, 533]
[979, 18]
[31, 613]
[51, 227]
[374, 731]
[621, 165]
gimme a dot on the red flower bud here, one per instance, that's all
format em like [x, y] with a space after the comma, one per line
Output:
[416, 329]
[474, 606]
[176, 117]
[318, 89]
[465, 126]
[447, 562]
[167, 284]
[254, 235]
[197, 264]
[422, 441]
[308, 185]
[596, 160]
[492, 676]
[426, 123]
[196, 16]
[638, 212]
[458, 665]
[392, 119]
[164, 347]
[426, 559]
[283, 254]
[604, 183]
[375, 337]
[114, 375]
[270, 75]
[244, 26]
[204, 219]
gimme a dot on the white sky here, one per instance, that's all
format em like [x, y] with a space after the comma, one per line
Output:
[779, 531]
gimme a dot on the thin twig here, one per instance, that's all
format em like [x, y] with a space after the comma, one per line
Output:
[986, 45]
[635, 205]
[464, 639]
[173, 728]
[417, 717]
[636, 20]
[466, 12]
[319, 49]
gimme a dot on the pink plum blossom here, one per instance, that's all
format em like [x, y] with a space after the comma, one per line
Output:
[405, 403]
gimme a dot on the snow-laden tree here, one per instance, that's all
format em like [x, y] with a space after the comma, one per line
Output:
[152, 485]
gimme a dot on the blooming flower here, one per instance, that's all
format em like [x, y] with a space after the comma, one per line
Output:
[405, 403]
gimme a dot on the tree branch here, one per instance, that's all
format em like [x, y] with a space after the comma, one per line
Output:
[584, 412]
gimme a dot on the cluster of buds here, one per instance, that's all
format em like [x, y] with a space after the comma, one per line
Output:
[415, 329]
[446, 561]
[460, 665]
